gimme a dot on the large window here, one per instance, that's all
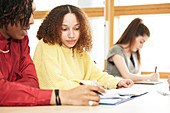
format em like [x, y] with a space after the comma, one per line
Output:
[139, 2]
[42, 5]
[156, 50]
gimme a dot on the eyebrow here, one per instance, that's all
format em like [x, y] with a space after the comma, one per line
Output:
[67, 25]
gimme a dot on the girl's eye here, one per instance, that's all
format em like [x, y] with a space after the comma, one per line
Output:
[77, 28]
[64, 29]
[141, 42]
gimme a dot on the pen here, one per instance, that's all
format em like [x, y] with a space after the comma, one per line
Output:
[93, 91]
[155, 69]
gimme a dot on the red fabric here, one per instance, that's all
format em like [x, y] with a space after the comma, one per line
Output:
[18, 79]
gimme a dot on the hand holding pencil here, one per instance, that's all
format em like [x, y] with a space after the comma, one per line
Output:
[155, 75]
[81, 95]
[94, 90]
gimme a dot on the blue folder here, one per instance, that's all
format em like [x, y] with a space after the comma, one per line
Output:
[123, 100]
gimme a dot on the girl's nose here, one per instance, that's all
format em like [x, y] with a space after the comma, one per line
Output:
[71, 34]
[141, 46]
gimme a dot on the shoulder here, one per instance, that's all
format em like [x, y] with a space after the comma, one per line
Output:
[116, 49]
[44, 45]
[24, 41]
[46, 48]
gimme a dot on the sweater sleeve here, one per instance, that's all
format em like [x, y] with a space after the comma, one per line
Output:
[102, 77]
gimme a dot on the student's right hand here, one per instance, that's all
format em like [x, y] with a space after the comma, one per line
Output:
[81, 95]
[154, 76]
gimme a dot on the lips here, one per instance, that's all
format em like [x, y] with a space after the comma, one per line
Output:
[24, 32]
[71, 41]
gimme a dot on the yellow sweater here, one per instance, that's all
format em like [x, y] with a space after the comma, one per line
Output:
[58, 69]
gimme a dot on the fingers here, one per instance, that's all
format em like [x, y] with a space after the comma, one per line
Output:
[125, 83]
[169, 79]
[129, 82]
[96, 88]
[122, 84]
[155, 77]
[92, 97]
[81, 95]
[93, 103]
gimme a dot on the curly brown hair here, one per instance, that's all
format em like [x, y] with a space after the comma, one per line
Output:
[50, 29]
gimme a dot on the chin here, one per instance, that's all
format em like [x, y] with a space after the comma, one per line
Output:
[134, 50]
[20, 37]
[71, 46]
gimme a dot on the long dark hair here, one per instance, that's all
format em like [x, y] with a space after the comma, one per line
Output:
[14, 11]
[135, 28]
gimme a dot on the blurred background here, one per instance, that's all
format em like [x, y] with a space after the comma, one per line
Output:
[108, 23]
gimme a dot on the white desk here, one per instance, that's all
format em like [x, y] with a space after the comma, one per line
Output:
[152, 102]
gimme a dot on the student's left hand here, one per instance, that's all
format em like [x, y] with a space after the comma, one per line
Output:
[125, 83]
[169, 79]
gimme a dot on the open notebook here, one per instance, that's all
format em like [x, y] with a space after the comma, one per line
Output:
[117, 96]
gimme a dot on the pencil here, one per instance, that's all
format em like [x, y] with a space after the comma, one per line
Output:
[155, 69]
[93, 91]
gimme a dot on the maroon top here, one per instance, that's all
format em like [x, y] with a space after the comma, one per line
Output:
[18, 80]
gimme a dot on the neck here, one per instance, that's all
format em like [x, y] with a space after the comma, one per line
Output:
[126, 49]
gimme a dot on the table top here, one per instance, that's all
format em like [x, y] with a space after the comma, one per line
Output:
[152, 102]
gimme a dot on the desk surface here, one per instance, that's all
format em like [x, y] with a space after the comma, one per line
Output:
[152, 102]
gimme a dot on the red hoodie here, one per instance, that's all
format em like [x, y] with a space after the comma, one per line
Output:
[18, 80]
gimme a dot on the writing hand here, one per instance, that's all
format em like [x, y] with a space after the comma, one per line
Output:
[81, 95]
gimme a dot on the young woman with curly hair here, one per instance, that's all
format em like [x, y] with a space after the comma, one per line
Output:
[61, 57]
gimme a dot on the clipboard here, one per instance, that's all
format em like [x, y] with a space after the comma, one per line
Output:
[148, 82]
[119, 101]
